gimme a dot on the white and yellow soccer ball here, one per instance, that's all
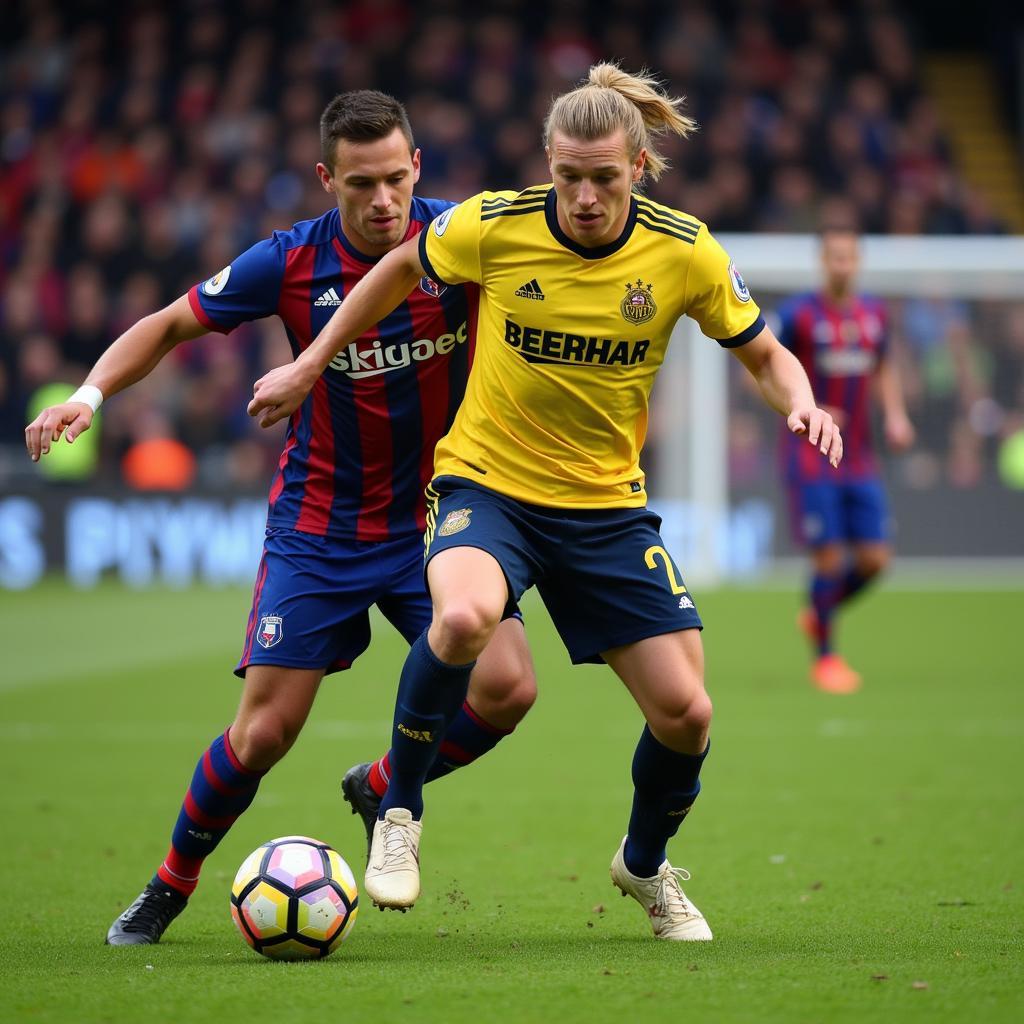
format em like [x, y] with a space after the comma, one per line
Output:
[294, 898]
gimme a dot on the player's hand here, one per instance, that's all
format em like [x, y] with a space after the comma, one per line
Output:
[821, 431]
[278, 394]
[899, 432]
[69, 418]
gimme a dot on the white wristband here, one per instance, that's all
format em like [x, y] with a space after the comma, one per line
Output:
[88, 395]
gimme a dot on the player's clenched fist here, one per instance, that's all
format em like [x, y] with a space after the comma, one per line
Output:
[279, 393]
[70, 418]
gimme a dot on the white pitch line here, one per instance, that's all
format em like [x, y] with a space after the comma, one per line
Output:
[135, 732]
[63, 665]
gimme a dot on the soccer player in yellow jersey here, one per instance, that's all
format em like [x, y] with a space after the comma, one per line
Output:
[538, 482]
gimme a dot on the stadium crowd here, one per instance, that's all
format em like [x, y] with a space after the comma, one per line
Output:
[139, 153]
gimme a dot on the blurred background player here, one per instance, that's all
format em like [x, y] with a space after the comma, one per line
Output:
[346, 511]
[841, 338]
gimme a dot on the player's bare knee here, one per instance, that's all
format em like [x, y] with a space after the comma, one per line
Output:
[829, 559]
[683, 724]
[698, 714]
[694, 718]
[872, 563]
[261, 741]
[522, 695]
[504, 698]
[462, 629]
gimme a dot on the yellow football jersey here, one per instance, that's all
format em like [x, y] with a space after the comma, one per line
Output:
[569, 340]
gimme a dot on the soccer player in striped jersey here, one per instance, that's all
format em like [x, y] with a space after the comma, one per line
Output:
[346, 512]
[840, 338]
[539, 483]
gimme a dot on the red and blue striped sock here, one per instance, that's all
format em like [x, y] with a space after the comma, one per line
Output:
[470, 736]
[826, 594]
[466, 739]
[380, 774]
[221, 789]
[853, 583]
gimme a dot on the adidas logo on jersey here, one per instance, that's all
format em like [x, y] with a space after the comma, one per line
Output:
[329, 298]
[530, 290]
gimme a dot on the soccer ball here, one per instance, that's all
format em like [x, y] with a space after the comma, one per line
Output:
[294, 898]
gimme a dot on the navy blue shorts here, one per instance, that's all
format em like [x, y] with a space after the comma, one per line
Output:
[604, 574]
[829, 512]
[312, 597]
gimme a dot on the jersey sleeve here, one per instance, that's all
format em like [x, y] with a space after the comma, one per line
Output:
[450, 244]
[785, 324]
[882, 312]
[717, 298]
[246, 289]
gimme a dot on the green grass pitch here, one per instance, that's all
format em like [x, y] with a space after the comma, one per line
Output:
[859, 858]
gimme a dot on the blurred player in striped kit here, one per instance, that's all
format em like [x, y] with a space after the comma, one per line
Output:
[840, 516]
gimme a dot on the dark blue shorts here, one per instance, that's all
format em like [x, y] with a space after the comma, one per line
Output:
[312, 597]
[827, 512]
[604, 574]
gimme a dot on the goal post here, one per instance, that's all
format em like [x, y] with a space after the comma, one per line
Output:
[689, 460]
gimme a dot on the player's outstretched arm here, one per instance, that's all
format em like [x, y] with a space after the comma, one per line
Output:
[785, 387]
[130, 358]
[280, 392]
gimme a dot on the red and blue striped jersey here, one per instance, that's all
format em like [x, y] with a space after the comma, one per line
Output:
[359, 451]
[840, 348]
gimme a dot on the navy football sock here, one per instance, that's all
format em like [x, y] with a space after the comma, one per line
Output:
[826, 593]
[466, 739]
[665, 785]
[221, 789]
[853, 583]
[430, 694]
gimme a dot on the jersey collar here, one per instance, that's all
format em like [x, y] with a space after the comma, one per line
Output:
[829, 305]
[587, 252]
[410, 231]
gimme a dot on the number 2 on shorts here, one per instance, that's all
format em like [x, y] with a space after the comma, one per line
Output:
[651, 558]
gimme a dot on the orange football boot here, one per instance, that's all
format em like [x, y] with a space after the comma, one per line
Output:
[831, 674]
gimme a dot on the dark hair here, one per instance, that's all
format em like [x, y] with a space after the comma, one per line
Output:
[361, 116]
[838, 228]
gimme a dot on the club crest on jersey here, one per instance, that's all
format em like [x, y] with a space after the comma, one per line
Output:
[738, 284]
[215, 285]
[638, 305]
[271, 631]
[432, 287]
[455, 521]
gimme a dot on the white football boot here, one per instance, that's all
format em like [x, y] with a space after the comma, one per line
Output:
[393, 871]
[671, 914]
